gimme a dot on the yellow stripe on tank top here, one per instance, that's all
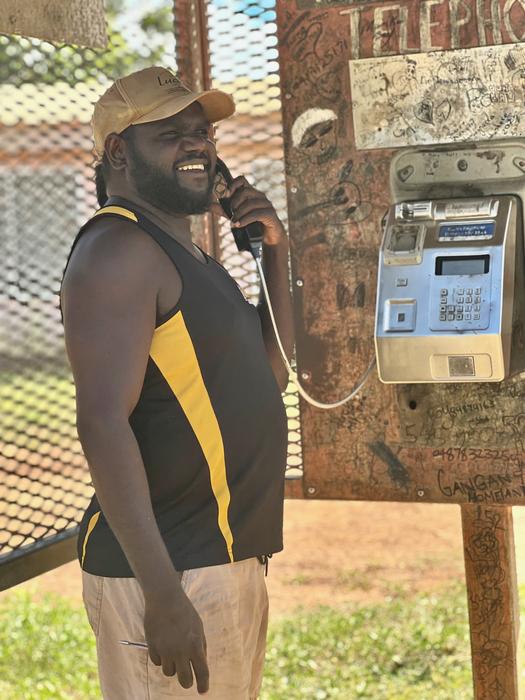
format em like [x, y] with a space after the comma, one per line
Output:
[116, 210]
[173, 352]
[91, 526]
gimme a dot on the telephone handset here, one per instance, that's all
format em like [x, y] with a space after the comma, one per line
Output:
[248, 237]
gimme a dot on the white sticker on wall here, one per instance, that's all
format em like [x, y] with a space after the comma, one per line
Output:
[439, 97]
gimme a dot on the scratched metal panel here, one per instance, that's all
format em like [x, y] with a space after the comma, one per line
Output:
[481, 415]
[337, 196]
[439, 97]
[70, 21]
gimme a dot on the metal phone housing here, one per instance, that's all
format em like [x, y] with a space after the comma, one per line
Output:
[451, 283]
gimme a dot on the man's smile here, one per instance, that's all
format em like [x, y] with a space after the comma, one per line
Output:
[194, 171]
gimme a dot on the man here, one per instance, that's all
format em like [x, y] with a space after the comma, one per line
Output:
[179, 412]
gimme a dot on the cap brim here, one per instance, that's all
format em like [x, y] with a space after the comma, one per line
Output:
[217, 105]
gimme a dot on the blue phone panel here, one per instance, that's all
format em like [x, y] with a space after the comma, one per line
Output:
[466, 231]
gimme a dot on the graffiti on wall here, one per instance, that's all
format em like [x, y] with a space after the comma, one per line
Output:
[436, 445]
[439, 97]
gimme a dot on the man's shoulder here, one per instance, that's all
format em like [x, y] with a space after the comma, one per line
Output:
[113, 256]
[112, 240]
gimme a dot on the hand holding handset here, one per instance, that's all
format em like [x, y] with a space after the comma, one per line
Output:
[249, 237]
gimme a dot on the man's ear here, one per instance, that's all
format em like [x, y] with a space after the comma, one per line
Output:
[116, 151]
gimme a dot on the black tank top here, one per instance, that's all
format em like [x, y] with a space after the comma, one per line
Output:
[210, 424]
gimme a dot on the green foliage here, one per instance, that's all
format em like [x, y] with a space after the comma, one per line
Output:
[408, 649]
[158, 21]
[33, 61]
[47, 650]
[40, 399]
[411, 648]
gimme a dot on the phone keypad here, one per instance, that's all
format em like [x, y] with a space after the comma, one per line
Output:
[460, 304]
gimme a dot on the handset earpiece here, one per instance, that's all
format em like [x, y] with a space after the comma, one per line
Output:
[248, 237]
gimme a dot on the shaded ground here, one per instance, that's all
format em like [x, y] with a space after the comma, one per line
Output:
[338, 551]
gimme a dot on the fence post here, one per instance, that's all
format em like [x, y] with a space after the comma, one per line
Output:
[193, 64]
[490, 568]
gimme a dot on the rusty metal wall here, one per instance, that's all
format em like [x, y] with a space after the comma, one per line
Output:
[448, 443]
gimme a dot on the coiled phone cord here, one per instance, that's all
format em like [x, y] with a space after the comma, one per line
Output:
[292, 374]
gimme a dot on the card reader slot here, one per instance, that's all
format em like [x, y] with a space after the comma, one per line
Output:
[400, 315]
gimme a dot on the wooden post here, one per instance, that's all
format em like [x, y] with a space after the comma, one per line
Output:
[193, 65]
[490, 567]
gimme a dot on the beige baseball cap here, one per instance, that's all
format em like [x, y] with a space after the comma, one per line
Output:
[147, 96]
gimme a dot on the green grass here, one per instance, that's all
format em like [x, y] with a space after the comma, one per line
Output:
[46, 650]
[411, 648]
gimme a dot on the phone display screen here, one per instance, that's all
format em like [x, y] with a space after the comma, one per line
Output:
[462, 265]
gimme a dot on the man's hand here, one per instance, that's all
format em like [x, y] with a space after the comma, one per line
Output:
[175, 637]
[250, 205]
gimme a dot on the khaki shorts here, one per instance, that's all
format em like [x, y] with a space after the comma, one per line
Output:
[233, 604]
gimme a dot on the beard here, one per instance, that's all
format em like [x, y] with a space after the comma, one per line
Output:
[165, 191]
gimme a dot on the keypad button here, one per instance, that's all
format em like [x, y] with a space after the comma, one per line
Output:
[442, 308]
[468, 291]
[442, 317]
[459, 317]
[468, 307]
[475, 317]
[459, 309]
[468, 300]
[444, 292]
[460, 291]
[451, 317]
[477, 308]
[478, 290]
[460, 300]
[450, 308]
[467, 317]
[477, 300]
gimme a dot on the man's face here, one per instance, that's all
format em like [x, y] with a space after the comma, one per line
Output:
[171, 162]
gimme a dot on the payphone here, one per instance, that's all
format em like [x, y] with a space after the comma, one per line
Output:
[451, 292]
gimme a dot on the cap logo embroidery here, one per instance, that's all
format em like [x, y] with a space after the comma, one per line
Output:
[167, 81]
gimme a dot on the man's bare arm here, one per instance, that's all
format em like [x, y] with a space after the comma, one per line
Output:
[109, 303]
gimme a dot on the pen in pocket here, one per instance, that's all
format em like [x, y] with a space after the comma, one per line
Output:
[133, 644]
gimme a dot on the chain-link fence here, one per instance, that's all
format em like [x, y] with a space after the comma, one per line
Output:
[47, 192]
[244, 62]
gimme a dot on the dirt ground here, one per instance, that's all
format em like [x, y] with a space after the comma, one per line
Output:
[338, 552]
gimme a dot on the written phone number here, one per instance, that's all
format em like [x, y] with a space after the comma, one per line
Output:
[463, 454]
